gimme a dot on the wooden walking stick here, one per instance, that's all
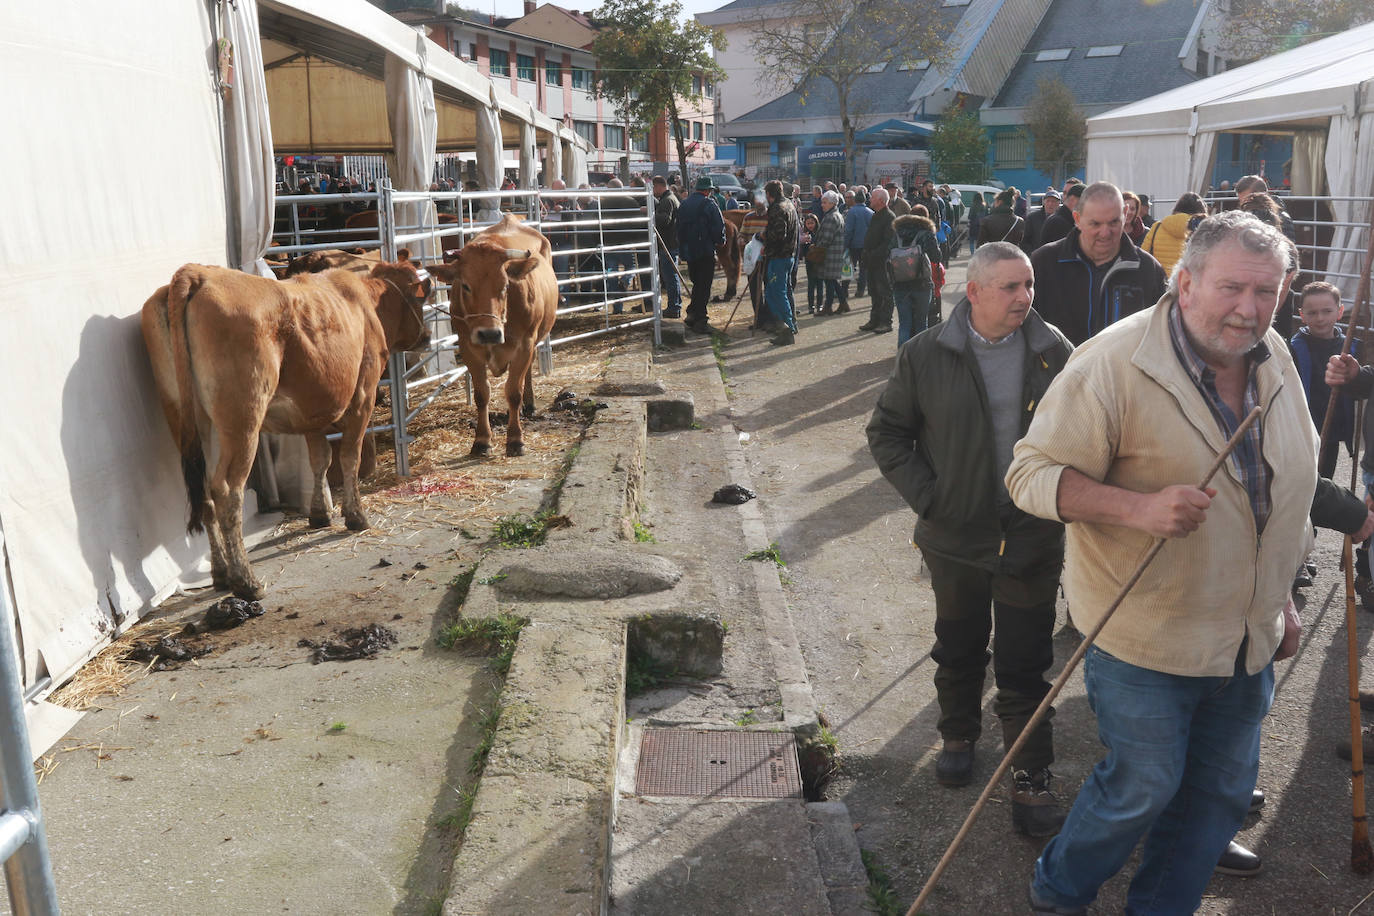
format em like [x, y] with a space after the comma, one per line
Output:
[1361, 855]
[1069, 666]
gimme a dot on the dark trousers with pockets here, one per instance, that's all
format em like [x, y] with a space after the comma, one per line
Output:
[701, 271]
[969, 603]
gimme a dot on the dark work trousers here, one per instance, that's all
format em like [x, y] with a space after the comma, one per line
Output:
[880, 288]
[701, 271]
[969, 602]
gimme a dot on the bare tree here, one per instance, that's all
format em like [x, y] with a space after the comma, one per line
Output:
[808, 45]
[1259, 28]
[1056, 125]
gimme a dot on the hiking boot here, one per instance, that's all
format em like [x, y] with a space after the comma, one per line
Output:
[954, 765]
[1238, 861]
[1366, 741]
[1041, 907]
[1364, 587]
[784, 338]
[1035, 810]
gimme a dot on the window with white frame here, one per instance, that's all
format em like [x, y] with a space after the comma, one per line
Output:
[500, 62]
[615, 136]
[586, 130]
[524, 67]
[582, 78]
[1105, 51]
[553, 74]
[1053, 54]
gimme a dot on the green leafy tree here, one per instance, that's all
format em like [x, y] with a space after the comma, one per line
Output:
[959, 148]
[807, 45]
[1056, 126]
[646, 58]
[1259, 28]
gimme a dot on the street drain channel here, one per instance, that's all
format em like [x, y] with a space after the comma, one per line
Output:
[701, 763]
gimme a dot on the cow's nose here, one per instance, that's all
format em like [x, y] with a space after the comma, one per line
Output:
[489, 335]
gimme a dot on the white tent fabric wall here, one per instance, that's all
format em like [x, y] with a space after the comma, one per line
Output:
[1350, 173]
[489, 154]
[1153, 165]
[1202, 159]
[553, 160]
[1309, 163]
[529, 157]
[580, 175]
[92, 503]
[569, 163]
[248, 138]
[414, 121]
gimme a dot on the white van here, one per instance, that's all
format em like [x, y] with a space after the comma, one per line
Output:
[967, 192]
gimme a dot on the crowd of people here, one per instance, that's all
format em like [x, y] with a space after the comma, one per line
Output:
[879, 242]
[1054, 427]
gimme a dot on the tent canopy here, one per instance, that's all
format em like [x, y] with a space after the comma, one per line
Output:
[325, 66]
[1164, 144]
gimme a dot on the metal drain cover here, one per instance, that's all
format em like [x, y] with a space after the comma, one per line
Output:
[681, 761]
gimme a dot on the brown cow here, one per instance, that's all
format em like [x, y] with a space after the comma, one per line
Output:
[505, 296]
[235, 354]
[728, 253]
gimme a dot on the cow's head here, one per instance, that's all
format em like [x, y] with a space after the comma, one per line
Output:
[401, 306]
[480, 276]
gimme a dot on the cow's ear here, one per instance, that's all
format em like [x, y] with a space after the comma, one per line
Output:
[518, 268]
[447, 272]
[402, 255]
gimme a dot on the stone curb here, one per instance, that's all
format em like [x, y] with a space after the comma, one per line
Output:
[539, 837]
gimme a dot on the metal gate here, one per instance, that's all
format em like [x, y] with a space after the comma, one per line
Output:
[603, 255]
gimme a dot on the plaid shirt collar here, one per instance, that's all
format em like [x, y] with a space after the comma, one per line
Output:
[1248, 457]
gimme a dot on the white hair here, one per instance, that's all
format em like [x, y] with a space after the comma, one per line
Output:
[833, 197]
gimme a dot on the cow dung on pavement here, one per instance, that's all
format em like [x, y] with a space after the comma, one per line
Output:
[599, 573]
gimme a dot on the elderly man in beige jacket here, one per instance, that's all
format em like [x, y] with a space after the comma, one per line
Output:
[1182, 674]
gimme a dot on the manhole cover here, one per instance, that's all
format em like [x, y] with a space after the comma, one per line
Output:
[680, 761]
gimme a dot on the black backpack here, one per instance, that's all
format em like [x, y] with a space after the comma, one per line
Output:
[909, 264]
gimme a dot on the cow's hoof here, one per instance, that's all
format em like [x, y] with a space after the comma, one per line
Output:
[527, 411]
[319, 521]
[480, 449]
[250, 591]
[357, 522]
[515, 449]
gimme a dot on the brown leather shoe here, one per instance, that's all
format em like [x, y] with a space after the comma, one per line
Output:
[1035, 810]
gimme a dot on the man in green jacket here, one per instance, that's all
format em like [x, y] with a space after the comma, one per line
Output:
[960, 396]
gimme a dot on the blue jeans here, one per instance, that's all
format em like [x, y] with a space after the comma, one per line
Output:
[777, 291]
[668, 279]
[913, 309]
[1182, 757]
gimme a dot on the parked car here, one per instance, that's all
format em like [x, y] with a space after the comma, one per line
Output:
[728, 184]
[967, 192]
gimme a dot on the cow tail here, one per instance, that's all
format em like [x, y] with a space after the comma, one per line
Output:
[183, 287]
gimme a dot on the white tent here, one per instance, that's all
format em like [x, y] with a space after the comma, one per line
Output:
[125, 163]
[1166, 144]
